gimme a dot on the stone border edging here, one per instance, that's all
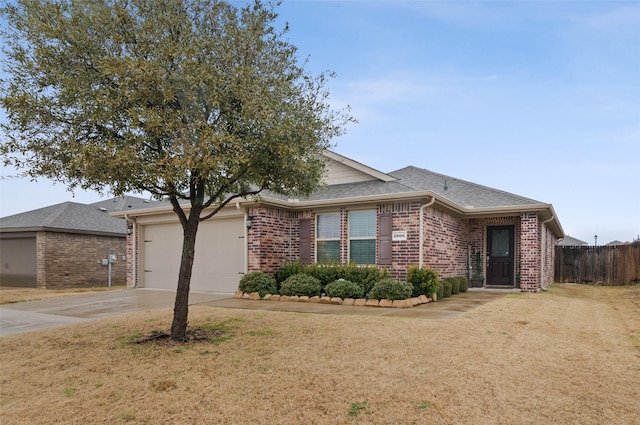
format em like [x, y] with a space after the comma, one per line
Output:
[408, 303]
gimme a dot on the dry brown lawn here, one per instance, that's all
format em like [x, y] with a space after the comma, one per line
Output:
[567, 356]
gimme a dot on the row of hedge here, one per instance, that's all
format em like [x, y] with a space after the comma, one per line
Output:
[350, 281]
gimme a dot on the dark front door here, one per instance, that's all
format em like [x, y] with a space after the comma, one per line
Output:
[500, 255]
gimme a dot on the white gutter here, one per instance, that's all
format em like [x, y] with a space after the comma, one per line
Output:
[542, 251]
[134, 253]
[422, 209]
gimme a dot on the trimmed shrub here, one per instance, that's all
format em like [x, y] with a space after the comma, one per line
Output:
[391, 289]
[301, 284]
[259, 282]
[455, 285]
[344, 289]
[424, 281]
[446, 289]
[464, 283]
[287, 271]
[440, 291]
[365, 276]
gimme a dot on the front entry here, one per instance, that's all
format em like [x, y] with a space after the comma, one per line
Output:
[500, 255]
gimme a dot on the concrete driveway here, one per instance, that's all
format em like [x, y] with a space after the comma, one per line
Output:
[42, 314]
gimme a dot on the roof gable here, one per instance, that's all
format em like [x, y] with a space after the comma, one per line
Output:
[342, 170]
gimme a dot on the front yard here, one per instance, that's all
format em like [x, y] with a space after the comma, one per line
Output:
[569, 355]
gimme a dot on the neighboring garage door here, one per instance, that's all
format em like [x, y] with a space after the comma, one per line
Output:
[18, 262]
[219, 259]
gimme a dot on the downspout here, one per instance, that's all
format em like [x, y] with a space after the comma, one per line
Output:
[542, 251]
[246, 238]
[422, 209]
[134, 251]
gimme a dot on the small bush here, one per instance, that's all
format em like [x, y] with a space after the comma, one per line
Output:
[344, 289]
[446, 289]
[455, 285]
[365, 276]
[464, 283]
[301, 284]
[391, 289]
[287, 271]
[440, 291]
[424, 281]
[257, 282]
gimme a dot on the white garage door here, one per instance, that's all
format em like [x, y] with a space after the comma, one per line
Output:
[219, 255]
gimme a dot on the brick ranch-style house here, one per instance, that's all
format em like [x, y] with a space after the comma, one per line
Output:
[393, 220]
[62, 245]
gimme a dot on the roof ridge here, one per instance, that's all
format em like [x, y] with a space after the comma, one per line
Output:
[57, 210]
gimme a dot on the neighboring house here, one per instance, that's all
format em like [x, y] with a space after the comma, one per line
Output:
[393, 220]
[62, 245]
[570, 241]
[616, 243]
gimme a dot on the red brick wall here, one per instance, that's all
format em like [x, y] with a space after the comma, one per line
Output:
[530, 246]
[446, 240]
[273, 241]
[549, 252]
[274, 238]
[72, 260]
[131, 253]
[405, 216]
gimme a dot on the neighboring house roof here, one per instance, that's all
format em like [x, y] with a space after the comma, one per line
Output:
[68, 217]
[616, 243]
[122, 203]
[570, 241]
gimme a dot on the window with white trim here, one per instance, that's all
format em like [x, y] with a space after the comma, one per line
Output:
[328, 237]
[362, 236]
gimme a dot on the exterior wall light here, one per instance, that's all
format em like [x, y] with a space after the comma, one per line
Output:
[249, 222]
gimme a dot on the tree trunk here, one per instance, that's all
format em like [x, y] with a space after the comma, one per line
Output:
[181, 307]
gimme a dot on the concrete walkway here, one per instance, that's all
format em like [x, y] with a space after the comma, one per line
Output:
[42, 314]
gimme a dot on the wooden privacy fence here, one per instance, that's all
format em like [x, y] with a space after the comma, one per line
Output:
[598, 265]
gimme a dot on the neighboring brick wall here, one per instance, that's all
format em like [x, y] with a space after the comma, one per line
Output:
[446, 240]
[72, 260]
[530, 245]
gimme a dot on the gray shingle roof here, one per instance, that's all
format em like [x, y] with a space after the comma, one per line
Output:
[463, 193]
[67, 216]
[570, 241]
[122, 203]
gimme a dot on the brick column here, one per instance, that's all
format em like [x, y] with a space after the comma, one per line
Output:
[530, 253]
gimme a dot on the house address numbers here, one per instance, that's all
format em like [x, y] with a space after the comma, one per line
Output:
[399, 235]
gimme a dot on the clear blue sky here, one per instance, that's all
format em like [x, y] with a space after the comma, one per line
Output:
[541, 99]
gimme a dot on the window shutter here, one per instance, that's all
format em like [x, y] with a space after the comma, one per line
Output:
[305, 240]
[384, 239]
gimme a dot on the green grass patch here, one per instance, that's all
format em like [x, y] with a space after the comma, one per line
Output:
[357, 408]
